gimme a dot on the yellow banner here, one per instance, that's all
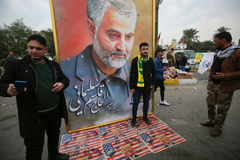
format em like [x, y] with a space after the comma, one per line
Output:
[198, 57]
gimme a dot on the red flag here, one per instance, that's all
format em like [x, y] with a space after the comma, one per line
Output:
[157, 41]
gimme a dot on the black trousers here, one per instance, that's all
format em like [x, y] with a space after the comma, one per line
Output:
[51, 123]
[177, 64]
[160, 83]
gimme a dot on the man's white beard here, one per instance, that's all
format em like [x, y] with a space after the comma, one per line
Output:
[105, 55]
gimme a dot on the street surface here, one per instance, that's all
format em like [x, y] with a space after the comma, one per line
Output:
[187, 109]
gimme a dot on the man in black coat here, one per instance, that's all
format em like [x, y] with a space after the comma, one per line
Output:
[142, 80]
[183, 61]
[41, 104]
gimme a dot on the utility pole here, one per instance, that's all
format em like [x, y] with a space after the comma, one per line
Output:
[157, 3]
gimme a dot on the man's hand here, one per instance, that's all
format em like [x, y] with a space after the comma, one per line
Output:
[57, 87]
[132, 91]
[218, 75]
[12, 91]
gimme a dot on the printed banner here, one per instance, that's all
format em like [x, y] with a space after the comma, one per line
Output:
[206, 62]
[120, 141]
[143, 127]
[130, 147]
[79, 140]
[116, 131]
[95, 46]
[161, 138]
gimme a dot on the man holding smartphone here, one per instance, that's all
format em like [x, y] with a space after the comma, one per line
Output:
[224, 79]
[41, 104]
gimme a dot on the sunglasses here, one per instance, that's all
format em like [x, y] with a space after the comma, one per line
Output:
[37, 48]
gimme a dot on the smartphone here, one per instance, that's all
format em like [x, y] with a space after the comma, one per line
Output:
[20, 85]
[214, 73]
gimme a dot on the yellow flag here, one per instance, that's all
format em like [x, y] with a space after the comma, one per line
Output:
[173, 43]
[198, 57]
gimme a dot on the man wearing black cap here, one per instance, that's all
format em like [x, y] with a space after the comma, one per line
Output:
[159, 74]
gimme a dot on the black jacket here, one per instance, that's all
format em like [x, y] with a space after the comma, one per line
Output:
[26, 101]
[183, 61]
[149, 74]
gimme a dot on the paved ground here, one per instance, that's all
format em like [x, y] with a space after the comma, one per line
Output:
[187, 110]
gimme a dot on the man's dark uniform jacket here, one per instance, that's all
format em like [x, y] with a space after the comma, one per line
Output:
[23, 70]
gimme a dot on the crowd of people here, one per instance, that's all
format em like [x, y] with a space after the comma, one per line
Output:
[39, 114]
[175, 59]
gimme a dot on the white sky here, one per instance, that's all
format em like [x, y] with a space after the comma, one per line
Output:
[174, 16]
[204, 15]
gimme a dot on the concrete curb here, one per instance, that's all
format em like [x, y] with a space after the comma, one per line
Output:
[197, 69]
[188, 81]
[171, 82]
[180, 81]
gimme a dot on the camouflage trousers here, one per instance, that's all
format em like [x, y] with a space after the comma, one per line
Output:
[223, 101]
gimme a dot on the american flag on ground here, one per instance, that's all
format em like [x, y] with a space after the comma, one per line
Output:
[116, 131]
[120, 149]
[120, 141]
[161, 138]
[78, 140]
[94, 153]
[155, 123]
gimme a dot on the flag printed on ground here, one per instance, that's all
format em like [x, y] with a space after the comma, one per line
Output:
[161, 138]
[120, 141]
[143, 127]
[94, 152]
[115, 131]
[78, 140]
[130, 147]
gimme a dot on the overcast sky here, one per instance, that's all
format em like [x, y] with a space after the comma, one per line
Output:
[174, 16]
[204, 15]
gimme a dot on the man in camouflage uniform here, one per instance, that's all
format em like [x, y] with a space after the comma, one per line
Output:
[224, 79]
[171, 58]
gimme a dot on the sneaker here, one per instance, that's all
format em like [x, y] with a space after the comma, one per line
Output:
[164, 103]
[145, 119]
[216, 131]
[208, 123]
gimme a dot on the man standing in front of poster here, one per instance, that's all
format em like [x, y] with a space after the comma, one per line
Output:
[142, 80]
[224, 79]
[99, 75]
[41, 104]
[159, 75]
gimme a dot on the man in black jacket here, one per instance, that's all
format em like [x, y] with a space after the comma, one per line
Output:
[142, 80]
[183, 61]
[42, 104]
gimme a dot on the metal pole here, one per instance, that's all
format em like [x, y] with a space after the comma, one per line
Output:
[157, 3]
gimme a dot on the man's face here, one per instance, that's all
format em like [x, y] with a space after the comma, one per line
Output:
[114, 39]
[160, 53]
[218, 43]
[163, 139]
[11, 54]
[128, 151]
[144, 51]
[117, 132]
[82, 141]
[36, 51]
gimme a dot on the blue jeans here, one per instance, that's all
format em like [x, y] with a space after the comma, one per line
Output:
[182, 68]
[136, 99]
